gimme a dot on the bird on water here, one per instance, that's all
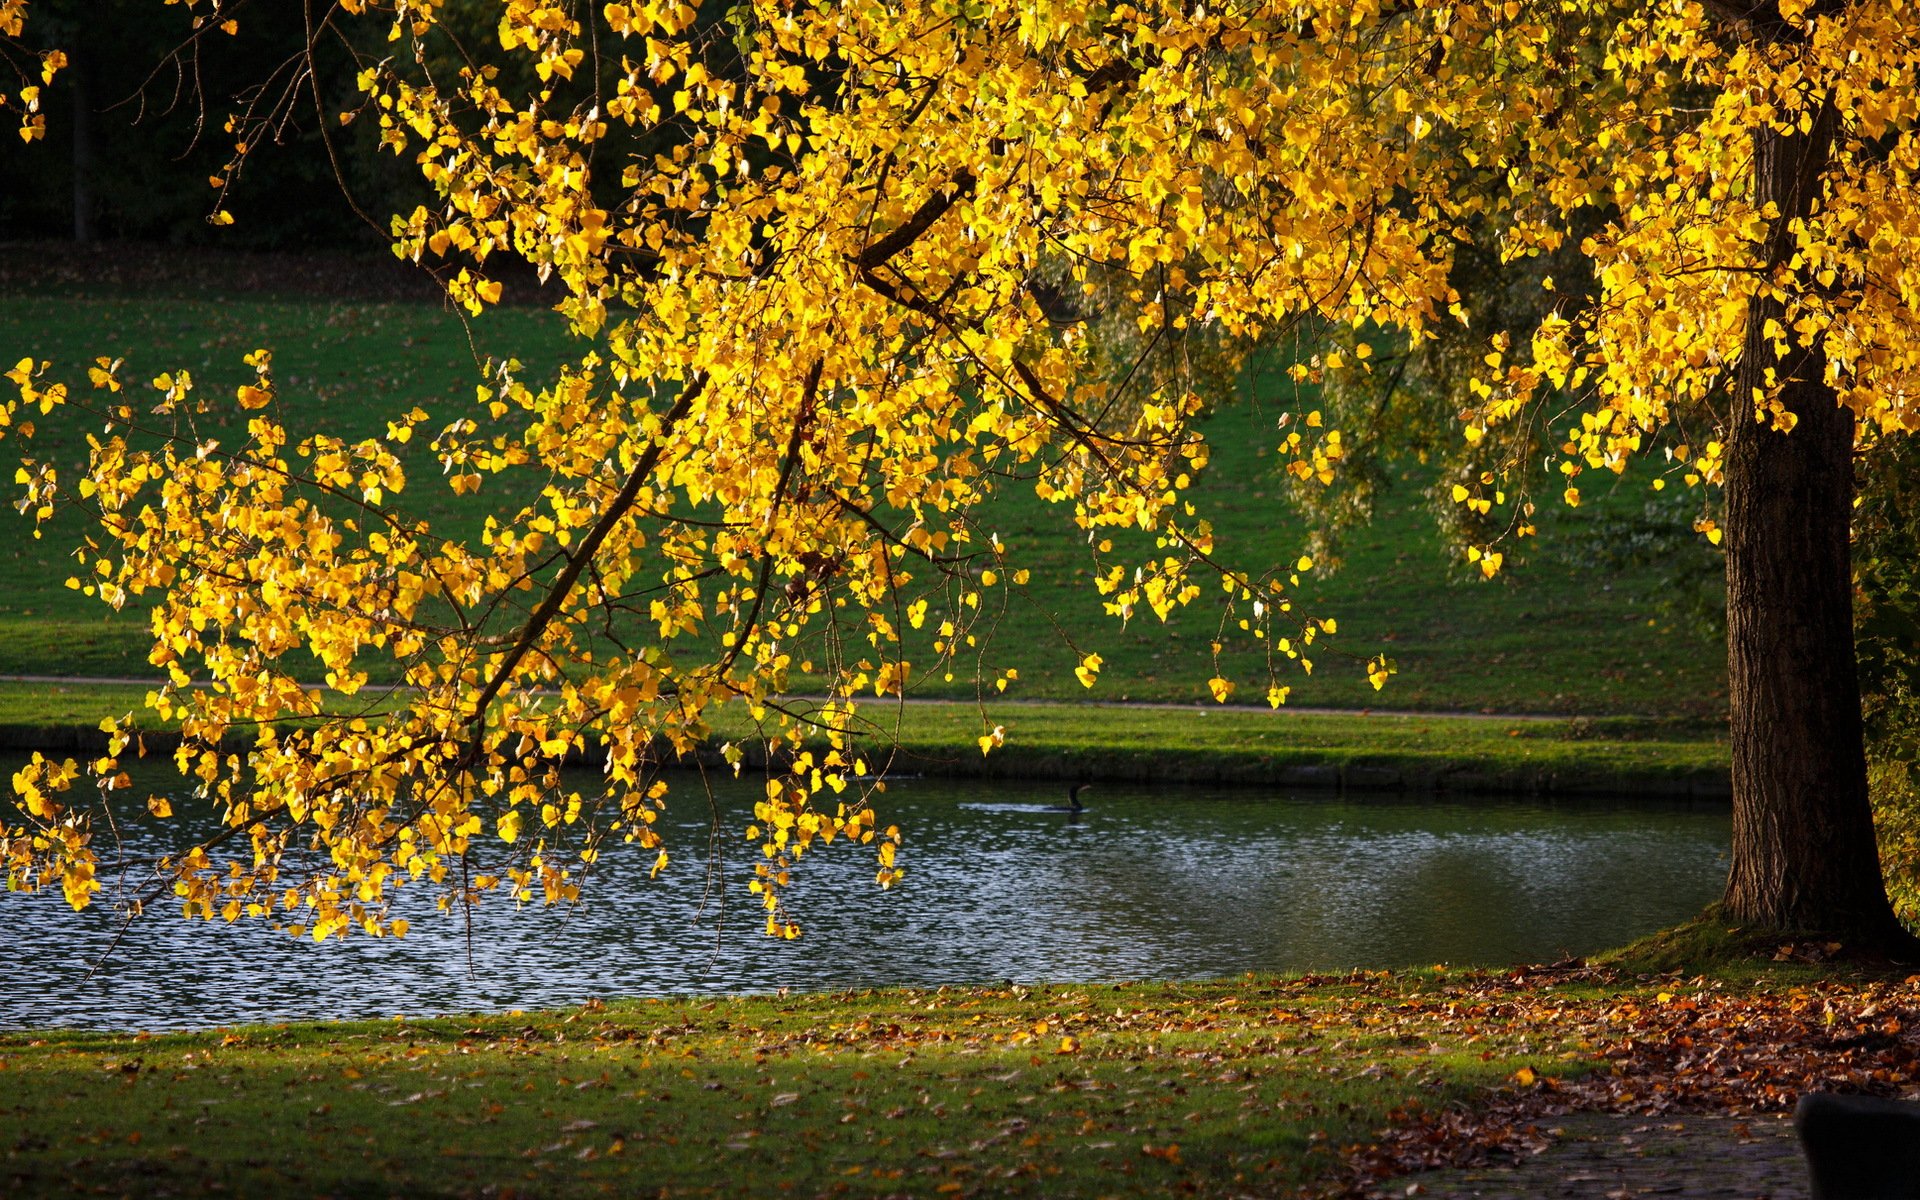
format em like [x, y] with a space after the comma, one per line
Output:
[1073, 804]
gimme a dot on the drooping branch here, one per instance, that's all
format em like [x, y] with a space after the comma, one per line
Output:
[802, 421]
[583, 554]
[931, 209]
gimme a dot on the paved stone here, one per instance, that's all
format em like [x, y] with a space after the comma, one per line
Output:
[1597, 1156]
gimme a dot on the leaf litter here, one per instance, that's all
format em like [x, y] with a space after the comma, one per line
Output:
[1326, 1085]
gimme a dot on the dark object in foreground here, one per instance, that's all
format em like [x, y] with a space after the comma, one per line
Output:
[1860, 1147]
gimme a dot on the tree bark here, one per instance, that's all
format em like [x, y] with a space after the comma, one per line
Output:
[1804, 856]
[81, 121]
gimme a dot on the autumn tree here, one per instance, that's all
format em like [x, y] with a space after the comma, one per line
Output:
[845, 271]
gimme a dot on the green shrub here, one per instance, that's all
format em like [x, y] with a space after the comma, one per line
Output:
[1896, 819]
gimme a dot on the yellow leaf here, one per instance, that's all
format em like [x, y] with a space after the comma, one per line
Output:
[1088, 670]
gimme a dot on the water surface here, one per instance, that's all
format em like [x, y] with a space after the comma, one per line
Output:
[1154, 882]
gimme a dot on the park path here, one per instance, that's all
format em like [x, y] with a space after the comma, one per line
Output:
[997, 702]
[1602, 1156]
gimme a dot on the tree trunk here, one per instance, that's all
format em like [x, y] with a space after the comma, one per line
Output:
[81, 121]
[1804, 857]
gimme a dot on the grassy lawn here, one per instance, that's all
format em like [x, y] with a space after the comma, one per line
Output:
[1246, 1086]
[1252, 1086]
[1560, 635]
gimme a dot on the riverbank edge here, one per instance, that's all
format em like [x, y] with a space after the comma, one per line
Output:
[1668, 770]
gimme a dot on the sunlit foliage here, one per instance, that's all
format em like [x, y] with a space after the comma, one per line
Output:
[845, 270]
[24, 73]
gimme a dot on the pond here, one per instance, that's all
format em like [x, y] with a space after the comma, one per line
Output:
[1156, 882]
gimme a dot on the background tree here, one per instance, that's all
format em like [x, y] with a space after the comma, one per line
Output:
[833, 282]
[132, 133]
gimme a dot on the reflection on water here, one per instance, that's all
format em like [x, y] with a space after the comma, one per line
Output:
[1151, 882]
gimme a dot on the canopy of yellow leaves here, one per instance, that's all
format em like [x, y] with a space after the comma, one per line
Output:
[843, 295]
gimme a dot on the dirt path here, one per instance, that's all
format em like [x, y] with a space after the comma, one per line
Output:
[1291, 710]
[1606, 1157]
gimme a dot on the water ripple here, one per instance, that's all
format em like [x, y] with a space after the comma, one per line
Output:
[1156, 882]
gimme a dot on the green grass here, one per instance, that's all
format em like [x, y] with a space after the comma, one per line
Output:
[1135, 742]
[1237, 1087]
[1712, 948]
[1556, 636]
[1246, 1086]
[76, 705]
[353, 366]
[1207, 744]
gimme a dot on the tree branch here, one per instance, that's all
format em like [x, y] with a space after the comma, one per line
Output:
[931, 209]
[577, 562]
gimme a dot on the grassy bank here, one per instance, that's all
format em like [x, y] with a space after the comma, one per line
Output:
[1145, 743]
[1380, 750]
[1567, 634]
[1262, 1086]
[1246, 1086]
